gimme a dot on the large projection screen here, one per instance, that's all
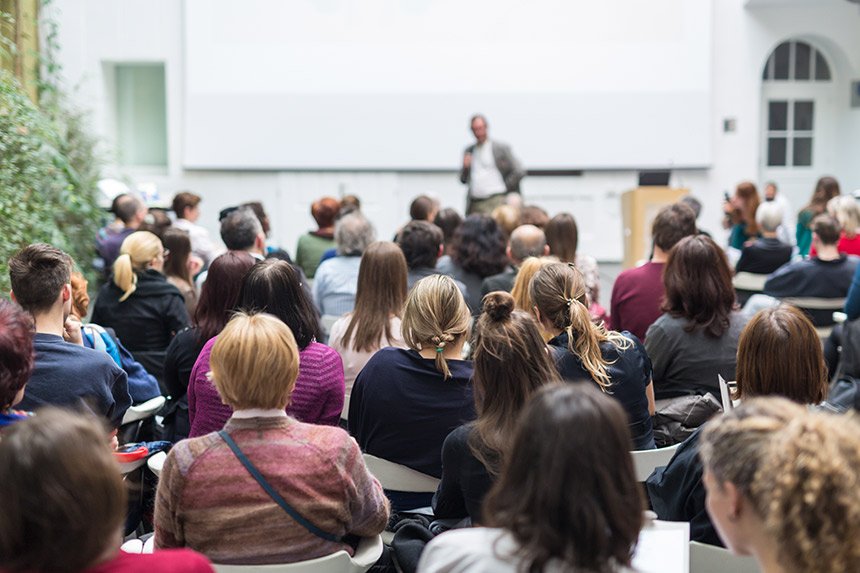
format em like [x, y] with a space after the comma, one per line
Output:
[390, 84]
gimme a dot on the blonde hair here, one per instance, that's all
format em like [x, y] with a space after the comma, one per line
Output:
[559, 292]
[844, 208]
[137, 251]
[799, 469]
[520, 291]
[255, 362]
[507, 217]
[434, 316]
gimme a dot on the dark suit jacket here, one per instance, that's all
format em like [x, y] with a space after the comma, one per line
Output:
[764, 256]
[502, 281]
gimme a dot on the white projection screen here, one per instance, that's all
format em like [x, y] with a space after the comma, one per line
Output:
[390, 84]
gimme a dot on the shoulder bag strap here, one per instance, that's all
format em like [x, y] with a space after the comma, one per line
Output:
[273, 494]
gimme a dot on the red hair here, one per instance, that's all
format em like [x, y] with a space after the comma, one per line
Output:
[16, 351]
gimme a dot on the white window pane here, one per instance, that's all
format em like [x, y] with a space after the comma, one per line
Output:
[141, 114]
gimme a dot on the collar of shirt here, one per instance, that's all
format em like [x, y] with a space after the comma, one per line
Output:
[259, 413]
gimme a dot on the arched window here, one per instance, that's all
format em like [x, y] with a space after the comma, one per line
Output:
[796, 61]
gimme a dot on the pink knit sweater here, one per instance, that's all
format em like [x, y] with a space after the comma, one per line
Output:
[207, 500]
[316, 399]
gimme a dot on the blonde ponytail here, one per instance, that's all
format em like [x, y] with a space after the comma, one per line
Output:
[124, 276]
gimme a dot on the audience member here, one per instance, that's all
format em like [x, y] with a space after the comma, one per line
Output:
[406, 401]
[218, 298]
[375, 322]
[269, 250]
[207, 501]
[490, 170]
[638, 293]
[827, 275]
[526, 241]
[767, 253]
[336, 279]
[697, 336]
[186, 207]
[142, 385]
[584, 351]
[274, 287]
[349, 204]
[423, 208]
[520, 291]
[566, 499]
[507, 217]
[65, 374]
[65, 501]
[740, 212]
[156, 221]
[779, 354]
[511, 364]
[130, 213]
[846, 211]
[562, 236]
[313, 244]
[478, 252]
[241, 230]
[180, 267]
[421, 244]
[17, 355]
[786, 231]
[826, 188]
[449, 220]
[782, 486]
[533, 215]
[139, 304]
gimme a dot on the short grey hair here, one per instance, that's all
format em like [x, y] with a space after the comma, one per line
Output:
[527, 241]
[769, 216]
[240, 228]
[353, 233]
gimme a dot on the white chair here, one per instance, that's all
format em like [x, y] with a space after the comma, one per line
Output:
[156, 462]
[727, 390]
[143, 411]
[711, 559]
[664, 547]
[367, 553]
[397, 477]
[815, 303]
[751, 282]
[646, 461]
[344, 414]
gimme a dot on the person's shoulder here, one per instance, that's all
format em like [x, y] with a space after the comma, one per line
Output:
[185, 452]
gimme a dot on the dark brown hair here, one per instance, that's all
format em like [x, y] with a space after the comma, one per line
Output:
[673, 223]
[448, 220]
[419, 241]
[779, 353]
[562, 236]
[698, 285]
[533, 215]
[16, 351]
[184, 200]
[826, 188]
[827, 229]
[748, 193]
[178, 246]
[274, 286]
[421, 208]
[511, 363]
[324, 211]
[568, 490]
[479, 246]
[380, 295]
[64, 499]
[37, 273]
[220, 293]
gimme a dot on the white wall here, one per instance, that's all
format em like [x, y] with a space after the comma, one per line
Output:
[100, 31]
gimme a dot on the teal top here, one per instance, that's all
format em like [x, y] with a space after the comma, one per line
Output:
[804, 231]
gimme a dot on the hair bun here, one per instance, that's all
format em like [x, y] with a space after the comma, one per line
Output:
[498, 305]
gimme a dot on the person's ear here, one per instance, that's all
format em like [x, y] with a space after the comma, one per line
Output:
[537, 314]
[545, 251]
[67, 292]
[260, 243]
[735, 499]
[441, 250]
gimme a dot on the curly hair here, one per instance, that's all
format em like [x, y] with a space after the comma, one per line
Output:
[479, 246]
[799, 470]
[16, 349]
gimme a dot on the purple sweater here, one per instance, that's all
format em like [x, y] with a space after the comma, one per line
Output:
[316, 399]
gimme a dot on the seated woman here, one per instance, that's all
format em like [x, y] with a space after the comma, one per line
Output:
[209, 501]
[566, 499]
[740, 215]
[180, 267]
[313, 244]
[779, 354]
[562, 236]
[144, 310]
[375, 322]
[65, 502]
[520, 291]
[477, 252]
[406, 401]
[218, 298]
[782, 486]
[511, 364]
[16, 359]
[696, 339]
[274, 287]
[615, 362]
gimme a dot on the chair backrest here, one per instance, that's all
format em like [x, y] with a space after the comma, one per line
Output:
[663, 546]
[156, 462]
[396, 477]
[816, 303]
[367, 553]
[726, 390]
[344, 414]
[712, 559]
[646, 461]
[752, 282]
[143, 411]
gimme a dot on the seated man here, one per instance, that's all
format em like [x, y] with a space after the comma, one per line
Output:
[827, 275]
[768, 253]
[638, 292]
[421, 243]
[336, 279]
[65, 373]
[526, 241]
[130, 213]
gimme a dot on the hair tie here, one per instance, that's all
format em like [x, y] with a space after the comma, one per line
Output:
[440, 349]
[569, 302]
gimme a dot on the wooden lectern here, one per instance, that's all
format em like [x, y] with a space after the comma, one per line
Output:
[638, 208]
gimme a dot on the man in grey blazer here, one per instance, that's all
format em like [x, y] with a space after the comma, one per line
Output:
[491, 171]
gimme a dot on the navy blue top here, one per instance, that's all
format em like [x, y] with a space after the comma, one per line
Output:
[69, 375]
[852, 302]
[401, 409]
[630, 374]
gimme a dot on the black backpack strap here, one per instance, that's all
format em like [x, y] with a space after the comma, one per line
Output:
[275, 495]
